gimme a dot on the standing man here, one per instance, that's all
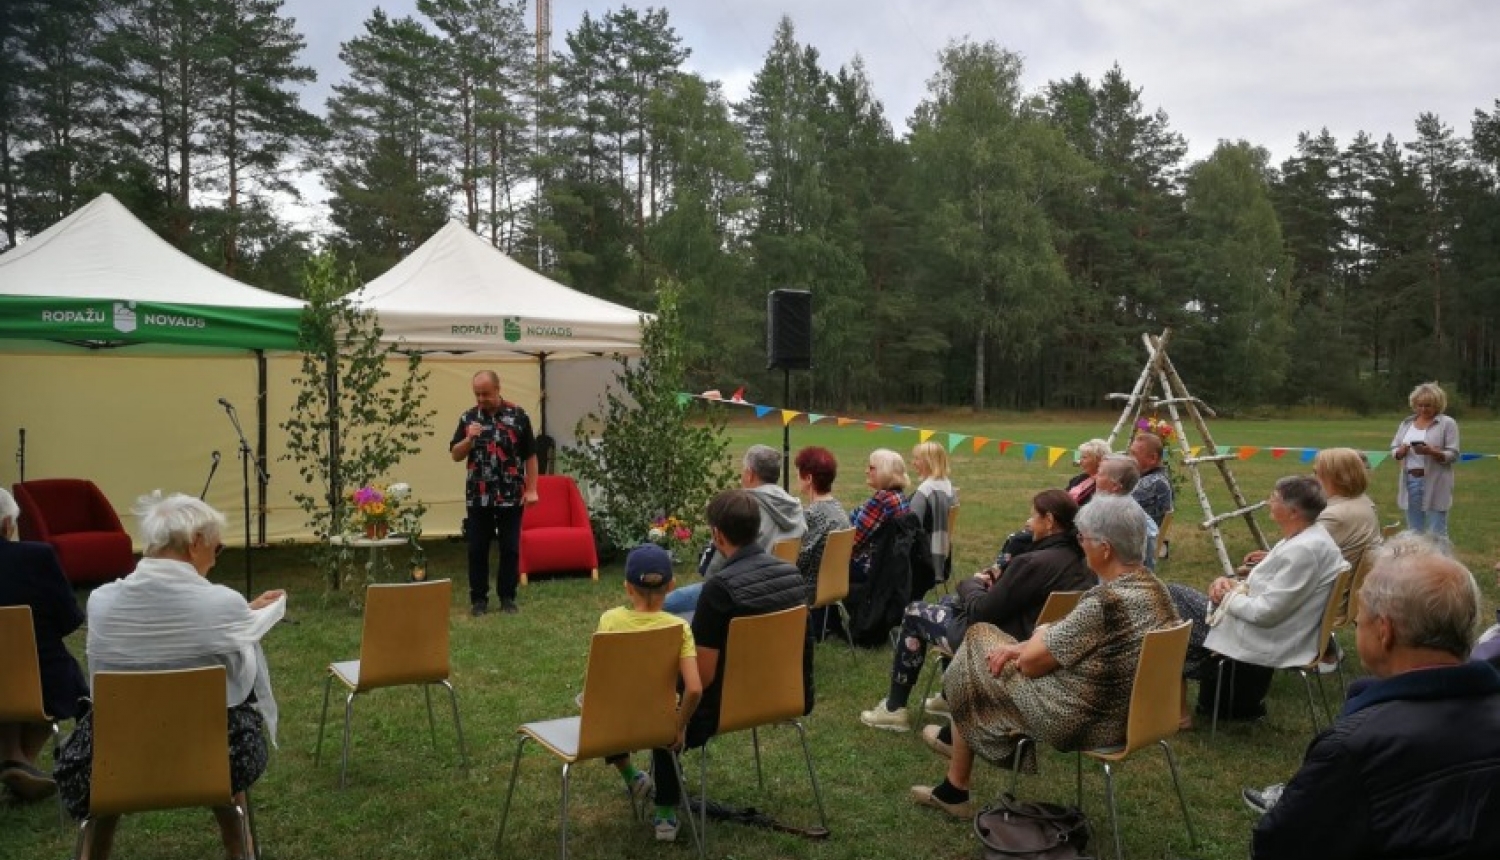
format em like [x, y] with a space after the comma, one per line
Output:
[1412, 766]
[1154, 491]
[495, 440]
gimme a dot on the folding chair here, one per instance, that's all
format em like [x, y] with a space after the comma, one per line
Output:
[1057, 606]
[1349, 606]
[762, 685]
[786, 549]
[833, 580]
[1164, 537]
[1325, 632]
[947, 573]
[629, 703]
[161, 741]
[1155, 705]
[404, 641]
[21, 678]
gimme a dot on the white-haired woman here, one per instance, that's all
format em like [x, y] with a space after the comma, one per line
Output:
[1090, 455]
[167, 615]
[885, 473]
[1069, 684]
[1426, 445]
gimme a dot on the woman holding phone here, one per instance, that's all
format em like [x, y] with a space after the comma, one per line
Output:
[1426, 445]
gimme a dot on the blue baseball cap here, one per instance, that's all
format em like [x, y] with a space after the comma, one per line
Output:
[648, 566]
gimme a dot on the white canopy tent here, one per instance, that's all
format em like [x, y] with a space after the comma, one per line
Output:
[457, 293]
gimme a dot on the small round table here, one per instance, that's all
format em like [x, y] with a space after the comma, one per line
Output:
[376, 546]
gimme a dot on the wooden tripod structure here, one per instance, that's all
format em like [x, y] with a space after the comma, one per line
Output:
[1178, 402]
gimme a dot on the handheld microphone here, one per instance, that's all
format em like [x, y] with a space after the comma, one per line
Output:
[225, 403]
[216, 458]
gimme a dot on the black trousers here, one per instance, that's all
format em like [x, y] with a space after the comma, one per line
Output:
[1245, 696]
[485, 525]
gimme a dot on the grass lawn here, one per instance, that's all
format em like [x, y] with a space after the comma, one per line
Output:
[407, 800]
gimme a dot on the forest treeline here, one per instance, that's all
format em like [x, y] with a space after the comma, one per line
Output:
[1007, 250]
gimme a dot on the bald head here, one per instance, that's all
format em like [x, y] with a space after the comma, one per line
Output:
[1429, 599]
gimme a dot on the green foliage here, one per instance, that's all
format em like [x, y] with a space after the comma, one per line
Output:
[355, 418]
[647, 454]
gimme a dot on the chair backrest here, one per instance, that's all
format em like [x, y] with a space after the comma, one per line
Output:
[952, 526]
[1156, 695]
[161, 741]
[405, 638]
[20, 673]
[762, 680]
[1349, 602]
[558, 504]
[1335, 605]
[1164, 535]
[1390, 530]
[833, 569]
[1058, 605]
[786, 549]
[57, 506]
[630, 692]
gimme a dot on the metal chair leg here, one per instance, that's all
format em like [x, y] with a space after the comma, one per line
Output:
[687, 809]
[348, 729]
[1177, 784]
[567, 772]
[85, 830]
[62, 812]
[323, 721]
[431, 723]
[848, 633]
[703, 793]
[760, 778]
[811, 774]
[458, 726]
[254, 852]
[1114, 816]
[244, 821]
[1015, 761]
[515, 768]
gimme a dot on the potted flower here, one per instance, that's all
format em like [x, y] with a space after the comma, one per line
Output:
[672, 535]
[375, 508]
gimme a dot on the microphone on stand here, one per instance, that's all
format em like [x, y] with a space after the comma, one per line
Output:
[21, 455]
[225, 403]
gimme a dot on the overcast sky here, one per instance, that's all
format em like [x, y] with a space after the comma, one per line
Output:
[1259, 70]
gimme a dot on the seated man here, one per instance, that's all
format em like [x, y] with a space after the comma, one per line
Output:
[1154, 491]
[1119, 476]
[1411, 768]
[781, 517]
[752, 582]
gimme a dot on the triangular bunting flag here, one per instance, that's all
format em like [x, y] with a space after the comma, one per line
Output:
[1277, 453]
[763, 411]
[787, 415]
[845, 422]
[1464, 458]
[923, 436]
[739, 395]
[1246, 452]
[1004, 444]
[954, 439]
[898, 428]
[1378, 457]
[1030, 450]
[813, 417]
[683, 399]
[1055, 454]
[872, 425]
[980, 442]
[1195, 450]
[1308, 454]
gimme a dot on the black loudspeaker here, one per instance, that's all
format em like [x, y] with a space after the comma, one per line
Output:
[789, 330]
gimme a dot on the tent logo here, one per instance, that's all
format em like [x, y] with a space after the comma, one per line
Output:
[512, 329]
[125, 317]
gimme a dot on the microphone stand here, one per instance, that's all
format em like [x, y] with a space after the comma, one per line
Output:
[214, 467]
[21, 455]
[247, 457]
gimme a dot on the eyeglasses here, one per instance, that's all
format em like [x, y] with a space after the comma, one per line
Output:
[218, 550]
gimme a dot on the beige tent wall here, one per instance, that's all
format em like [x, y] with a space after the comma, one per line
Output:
[134, 423]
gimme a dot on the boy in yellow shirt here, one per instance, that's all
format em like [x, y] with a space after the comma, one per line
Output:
[648, 578]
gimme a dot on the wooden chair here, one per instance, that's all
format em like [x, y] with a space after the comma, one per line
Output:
[1349, 603]
[1155, 706]
[629, 703]
[947, 573]
[786, 549]
[833, 580]
[761, 686]
[21, 677]
[1057, 606]
[404, 641]
[1325, 632]
[161, 741]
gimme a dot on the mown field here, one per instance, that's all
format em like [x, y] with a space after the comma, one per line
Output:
[407, 800]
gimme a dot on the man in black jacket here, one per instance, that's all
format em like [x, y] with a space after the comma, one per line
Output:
[1411, 769]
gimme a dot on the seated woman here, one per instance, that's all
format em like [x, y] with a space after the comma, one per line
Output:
[1010, 602]
[816, 469]
[1069, 684]
[1350, 516]
[886, 475]
[1090, 454]
[167, 615]
[30, 576]
[932, 500]
[1271, 618]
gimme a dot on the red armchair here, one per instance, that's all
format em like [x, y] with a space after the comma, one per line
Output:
[78, 521]
[555, 532]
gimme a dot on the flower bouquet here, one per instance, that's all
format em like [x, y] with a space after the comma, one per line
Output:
[1158, 427]
[672, 535]
[374, 508]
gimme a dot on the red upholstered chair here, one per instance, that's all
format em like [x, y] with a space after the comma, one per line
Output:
[555, 532]
[78, 521]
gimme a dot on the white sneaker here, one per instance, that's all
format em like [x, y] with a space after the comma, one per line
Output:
[879, 717]
[1261, 800]
[1332, 657]
[666, 829]
[640, 787]
[937, 706]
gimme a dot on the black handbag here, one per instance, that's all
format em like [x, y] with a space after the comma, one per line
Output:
[1010, 829]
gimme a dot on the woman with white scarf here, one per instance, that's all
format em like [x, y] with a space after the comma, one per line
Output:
[167, 615]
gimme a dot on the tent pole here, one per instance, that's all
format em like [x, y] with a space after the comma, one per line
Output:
[542, 395]
[263, 406]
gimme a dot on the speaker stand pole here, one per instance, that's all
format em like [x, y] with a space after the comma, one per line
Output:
[786, 430]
